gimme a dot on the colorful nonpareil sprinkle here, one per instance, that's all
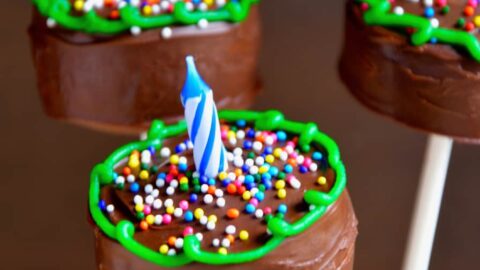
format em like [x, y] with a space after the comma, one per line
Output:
[164, 188]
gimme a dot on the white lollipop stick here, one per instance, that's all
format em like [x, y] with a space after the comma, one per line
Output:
[428, 203]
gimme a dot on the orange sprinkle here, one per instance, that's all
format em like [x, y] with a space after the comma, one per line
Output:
[231, 238]
[127, 171]
[468, 11]
[143, 225]
[233, 213]
[171, 241]
[231, 189]
[211, 190]
[292, 162]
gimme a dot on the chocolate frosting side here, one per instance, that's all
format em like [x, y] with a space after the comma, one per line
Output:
[121, 83]
[329, 244]
[433, 87]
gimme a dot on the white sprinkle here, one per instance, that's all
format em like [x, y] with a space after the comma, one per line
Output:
[137, 199]
[160, 182]
[156, 9]
[428, 3]
[155, 193]
[203, 7]
[313, 167]
[199, 236]
[230, 156]
[189, 6]
[204, 188]
[165, 4]
[170, 191]
[167, 33]
[238, 151]
[254, 191]
[135, 3]
[240, 134]
[196, 174]
[253, 170]
[230, 229]
[434, 22]
[218, 193]
[398, 10]
[203, 23]
[203, 220]
[289, 149]
[269, 140]
[189, 145]
[216, 242]
[249, 162]
[157, 204]
[311, 207]
[174, 183]
[135, 30]
[208, 199]
[165, 152]
[110, 208]
[211, 226]
[284, 156]
[172, 252]
[178, 212]
[221, 202]
[131, 178]
[120, 180]
[259, 213]
[158, 220]
[225, 243]
[257, 146]
[182, 160]
[168, 203]
[221, 3]
[148, 188]
[179, 243]
[149, 200]
[232, 141]
[300, 159]
[238, 162]
[259, 161]
[295, 183]
[232, 176]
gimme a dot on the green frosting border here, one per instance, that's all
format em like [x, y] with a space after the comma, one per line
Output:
[59, 10]
[102, 174]
[379, 14]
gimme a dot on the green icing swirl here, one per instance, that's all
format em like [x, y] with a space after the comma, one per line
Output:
[123, 232]
[91, 22]
[379, 14]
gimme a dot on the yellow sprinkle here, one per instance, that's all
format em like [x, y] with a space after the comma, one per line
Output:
[208, 2]
[282, 193]
[78, 5]
[139, 207]
[263, 169]
[174, 159]
[280, 184]
[476, 21]
[270, 159]
[170, 210]
[198, 213]
[150, 219]
[247, 195]
[321, 180]
[222, 251]
[184, 180]
[222, 175]
[212, 218]
[134, 163]
[243, 235]
[147, 10]
[231, 135]
[144, 175]
[164, 249]
[277, 152]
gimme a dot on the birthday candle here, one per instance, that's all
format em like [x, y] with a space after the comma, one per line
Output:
[203, 124]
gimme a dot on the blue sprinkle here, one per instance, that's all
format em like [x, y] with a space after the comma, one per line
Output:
[249, 186]
[273, 171]
[188, 216]
[161, 176]
[211, 182]
[151, 149]
[180, 148]
[281, 136]
[268, 150]
[115, 175]
[249, 179]
[268, 184]
[182, 167]
[249, 208]
[241, 123]
[303, 169]
[193, 198]
[225, 182]
[102, 205]
[317, 156]
[260, 196]
[203, 180]
[134, 187]
[288, 168]
[266, 176]
[282, 208]
[433, 40]
[247, 145]
[251, 133]
[429, 12]
[245, 168]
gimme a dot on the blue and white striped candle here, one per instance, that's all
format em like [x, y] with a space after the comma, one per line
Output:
[203, 124]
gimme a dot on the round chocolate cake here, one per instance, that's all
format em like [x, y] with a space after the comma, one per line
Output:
[116, 65]
[416, 62]
[281, 204]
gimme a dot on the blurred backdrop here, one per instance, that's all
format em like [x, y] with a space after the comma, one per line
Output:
[45, 164]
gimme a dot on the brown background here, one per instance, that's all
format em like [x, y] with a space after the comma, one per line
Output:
[44, 165]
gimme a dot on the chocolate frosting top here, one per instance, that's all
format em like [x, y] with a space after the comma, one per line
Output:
[278, 184]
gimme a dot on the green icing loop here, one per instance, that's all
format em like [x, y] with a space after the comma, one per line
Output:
[91, 22]
[102, 174]
[379, 14]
